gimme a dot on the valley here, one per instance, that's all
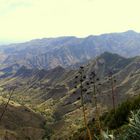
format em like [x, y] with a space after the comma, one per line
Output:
[52, 93]
[69, 70]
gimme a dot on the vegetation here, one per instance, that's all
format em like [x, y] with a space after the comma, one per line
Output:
[121, 124]
[6, 105]
[48, 132]
[133, 131]
[115, 119]
[74, 103]
[81, 78]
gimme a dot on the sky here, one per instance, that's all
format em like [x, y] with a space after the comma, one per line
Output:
[22, 20]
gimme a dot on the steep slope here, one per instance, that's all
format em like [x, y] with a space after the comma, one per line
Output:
[20, 122]
[51, 92]
[49, 53]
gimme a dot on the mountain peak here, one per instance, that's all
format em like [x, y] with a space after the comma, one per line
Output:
[130, 32]
[58, 68]
[24, 71]
[109, 55]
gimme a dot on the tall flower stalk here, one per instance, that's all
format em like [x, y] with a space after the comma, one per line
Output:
[81, 77]
[7, 103]
[112, 82]
[94, 80]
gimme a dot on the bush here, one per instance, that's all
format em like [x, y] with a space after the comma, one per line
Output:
[48, 132]
[133, 132]
[115, 119]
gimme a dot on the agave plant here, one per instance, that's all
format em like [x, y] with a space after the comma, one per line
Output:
[80, 79]
[7, 103]
[112, 81]
[133, 131]
[94, 80]
[105, 135]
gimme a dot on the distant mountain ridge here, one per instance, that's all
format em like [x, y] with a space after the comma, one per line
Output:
[49, 53]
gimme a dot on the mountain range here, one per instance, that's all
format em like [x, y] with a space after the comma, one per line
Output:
[46, 102]
[48, 53]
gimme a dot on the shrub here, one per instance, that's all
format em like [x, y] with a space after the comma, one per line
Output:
[115, 119]
[48, 132]
[133, 132]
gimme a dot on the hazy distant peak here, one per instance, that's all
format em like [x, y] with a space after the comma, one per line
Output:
[131, 32]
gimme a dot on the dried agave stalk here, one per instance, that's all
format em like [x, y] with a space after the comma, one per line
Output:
[81, 79]
[6, 105]
[112, 80]
[94, 79]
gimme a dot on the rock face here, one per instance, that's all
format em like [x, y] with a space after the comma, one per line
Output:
[49, 53]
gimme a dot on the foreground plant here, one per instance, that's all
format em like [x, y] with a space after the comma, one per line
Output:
[80, 78]
[112, 82]
[94, 80]
[7, 103]
[133, 131]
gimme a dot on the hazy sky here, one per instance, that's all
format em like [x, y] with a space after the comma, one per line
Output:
[22, 20]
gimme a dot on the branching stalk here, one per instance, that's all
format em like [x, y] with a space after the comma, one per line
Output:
[6, 105]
